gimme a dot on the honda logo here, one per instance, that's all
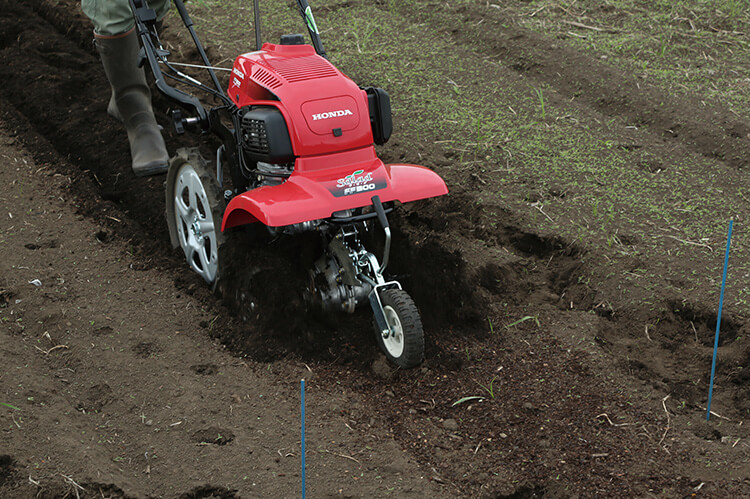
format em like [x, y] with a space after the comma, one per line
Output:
[332, 114]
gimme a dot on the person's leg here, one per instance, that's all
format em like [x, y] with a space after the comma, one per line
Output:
[114, 17]
[131, 97]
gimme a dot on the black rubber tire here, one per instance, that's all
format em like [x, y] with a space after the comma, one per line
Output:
[412, 333]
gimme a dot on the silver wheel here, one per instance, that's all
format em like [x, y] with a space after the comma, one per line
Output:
[197, 230]
[404, 344]
[394, 343]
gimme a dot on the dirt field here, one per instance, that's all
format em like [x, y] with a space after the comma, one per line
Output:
[595, 153]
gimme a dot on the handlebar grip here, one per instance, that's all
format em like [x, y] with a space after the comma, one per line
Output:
[183, 13]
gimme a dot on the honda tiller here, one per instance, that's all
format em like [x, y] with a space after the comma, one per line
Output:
[297, 140]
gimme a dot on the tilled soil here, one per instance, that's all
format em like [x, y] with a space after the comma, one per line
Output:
[117, 363]
[117, 387]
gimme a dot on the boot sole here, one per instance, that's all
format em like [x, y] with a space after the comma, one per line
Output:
[149, 170]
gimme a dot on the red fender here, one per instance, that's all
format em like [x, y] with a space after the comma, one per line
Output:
[323, 185]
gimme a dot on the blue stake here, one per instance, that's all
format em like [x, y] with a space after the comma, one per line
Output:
[718, 321]
[302, 404]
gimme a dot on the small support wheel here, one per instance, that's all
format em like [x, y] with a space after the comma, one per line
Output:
[404, 346]
[194, 212]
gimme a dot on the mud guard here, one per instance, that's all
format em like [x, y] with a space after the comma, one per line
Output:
[317, 195]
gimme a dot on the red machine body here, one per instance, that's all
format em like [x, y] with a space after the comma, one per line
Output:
[328, 118]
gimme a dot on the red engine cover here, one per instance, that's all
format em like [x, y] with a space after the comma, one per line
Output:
[325, 111]
[327, 114]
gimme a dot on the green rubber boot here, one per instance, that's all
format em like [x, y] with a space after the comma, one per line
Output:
[131, 103]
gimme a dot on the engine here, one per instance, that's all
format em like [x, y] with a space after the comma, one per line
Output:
[265, 136]
[266, 147]
[270, 174]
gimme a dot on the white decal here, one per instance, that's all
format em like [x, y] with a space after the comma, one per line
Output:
[239, 73]
[332, 114]
[355, 179]
[359, 188]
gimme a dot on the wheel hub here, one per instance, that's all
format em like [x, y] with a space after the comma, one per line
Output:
[393, 341]
[196, 227]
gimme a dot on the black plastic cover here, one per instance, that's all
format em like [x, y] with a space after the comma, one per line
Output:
[381, 120]
[295, 39]
[146, 15]
[265, 136]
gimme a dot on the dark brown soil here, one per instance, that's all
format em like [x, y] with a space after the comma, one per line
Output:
[131, 379]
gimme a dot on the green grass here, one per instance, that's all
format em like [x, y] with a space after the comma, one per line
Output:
[466, 399]
[701, 46]
[489, 388]
[524, 319]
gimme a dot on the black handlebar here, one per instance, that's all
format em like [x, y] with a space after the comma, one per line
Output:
[145, 17]
[183, 13]
[307, 16]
